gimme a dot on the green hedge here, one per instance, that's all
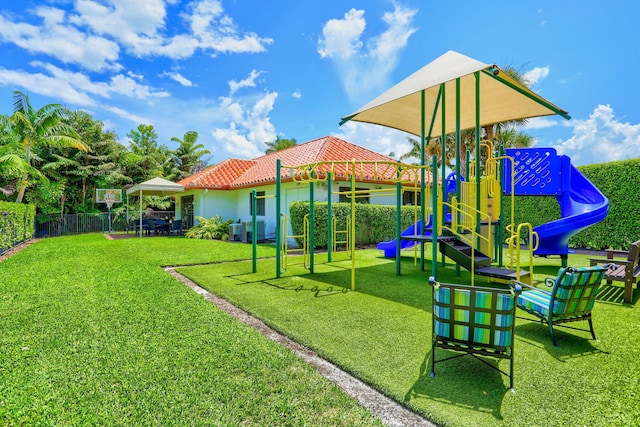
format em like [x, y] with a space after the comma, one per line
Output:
[16, 224]
[618, 181]
[374, 223]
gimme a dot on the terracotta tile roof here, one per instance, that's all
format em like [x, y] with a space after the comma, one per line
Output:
[219, 175]
[235, 173]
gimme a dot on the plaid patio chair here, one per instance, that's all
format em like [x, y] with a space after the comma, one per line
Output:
[572, 297]
[474, 320]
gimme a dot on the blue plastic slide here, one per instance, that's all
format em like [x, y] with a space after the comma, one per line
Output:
[583, 205]
[543, 172]
[389, 247]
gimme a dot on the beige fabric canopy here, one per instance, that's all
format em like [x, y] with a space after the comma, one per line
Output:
[501, 98]
[153, 187]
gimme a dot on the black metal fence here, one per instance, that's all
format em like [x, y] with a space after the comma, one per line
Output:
[59, 225]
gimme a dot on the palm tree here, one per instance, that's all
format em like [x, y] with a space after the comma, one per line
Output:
[279, 144]
[432, 148]
[511, 136]
[39, 128]
[188, 157]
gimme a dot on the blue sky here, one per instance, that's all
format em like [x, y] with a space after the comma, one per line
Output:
[241, 72]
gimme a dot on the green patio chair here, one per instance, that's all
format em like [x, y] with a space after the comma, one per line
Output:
[571, 298]
[475, 321]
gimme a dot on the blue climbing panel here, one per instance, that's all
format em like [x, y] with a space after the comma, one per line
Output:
[538, 172]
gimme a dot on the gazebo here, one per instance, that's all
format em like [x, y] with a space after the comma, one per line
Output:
[153, 187]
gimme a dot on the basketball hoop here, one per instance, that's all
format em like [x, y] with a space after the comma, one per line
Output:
[109, 199]
[109, 196]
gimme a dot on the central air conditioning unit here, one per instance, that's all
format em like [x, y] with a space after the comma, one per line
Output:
[235, 232]
[247, 227]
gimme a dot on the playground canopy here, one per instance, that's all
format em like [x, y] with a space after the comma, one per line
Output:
[500, 98]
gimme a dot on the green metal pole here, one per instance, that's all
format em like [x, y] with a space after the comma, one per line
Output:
[312, 222]
[329, 219]
[352, 240]
[458, 138]
[443, 169]
[434, 174]
[398, 220]
[458, 154]
[478, 171]
[494, 73]
[278, 219]
[422, 172]
[254, 229]
[443, 140]
[434, 223]
[500, 238]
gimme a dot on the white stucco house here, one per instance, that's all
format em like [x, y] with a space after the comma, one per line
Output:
[225, 188]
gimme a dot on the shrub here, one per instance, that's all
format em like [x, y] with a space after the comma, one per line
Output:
[214, 228]
[16, 223]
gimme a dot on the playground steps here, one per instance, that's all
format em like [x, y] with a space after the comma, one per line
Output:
[460, 252]
[499, 274]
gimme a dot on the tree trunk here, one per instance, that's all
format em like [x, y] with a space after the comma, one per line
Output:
[23, 187]
[488, 130]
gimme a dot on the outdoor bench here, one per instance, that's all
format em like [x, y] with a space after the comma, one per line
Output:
[626, 268]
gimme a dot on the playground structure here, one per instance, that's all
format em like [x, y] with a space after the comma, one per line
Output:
[405, 177]
[461, 216]
[475, 246]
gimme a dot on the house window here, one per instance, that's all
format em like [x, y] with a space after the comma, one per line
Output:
[186, 211]
[362, 195]
[411, 198]
[260, 210]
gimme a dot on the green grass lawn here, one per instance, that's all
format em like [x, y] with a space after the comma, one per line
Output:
[94, 332]
[382, 332]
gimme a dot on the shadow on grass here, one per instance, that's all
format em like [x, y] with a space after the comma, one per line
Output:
[315, 290]
[464, 382]
[572, 343]
[380, 281]
[614, 294]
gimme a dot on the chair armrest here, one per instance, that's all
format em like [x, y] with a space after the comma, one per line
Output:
[526, 286]
[612, 253]
[596, 261]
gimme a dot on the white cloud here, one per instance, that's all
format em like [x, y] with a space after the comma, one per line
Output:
[77, 88]
[297, 94]
[46, 85]
[532, 77]
[219, 32]
[250, 81]
[341, 37]
[601, 138]
[178, 77]
[56, 38]
[127, 115]
[364, 67]
[248, 125]
[92, 34]
[541, 123]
